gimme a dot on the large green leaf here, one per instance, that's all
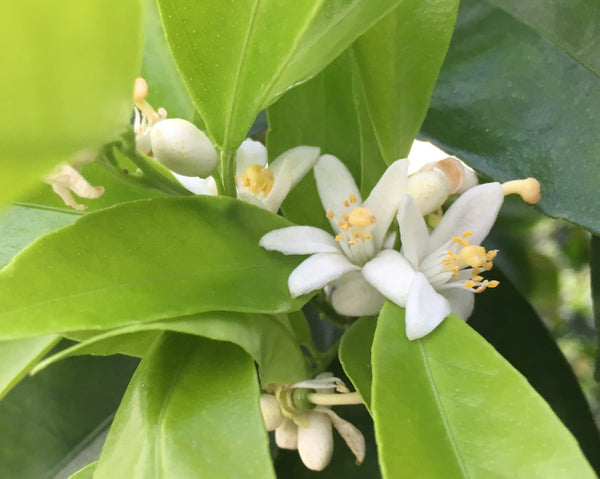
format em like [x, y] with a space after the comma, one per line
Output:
[237, 57]
[571, 25]
[263, 337]
[165, 86]
[399, 59]
[46, 420]
[453, 396]
[143, 261]
[595, 278]
[67, 76]
[191, 411]
[355, 356]
[513, 104]
[509, 323]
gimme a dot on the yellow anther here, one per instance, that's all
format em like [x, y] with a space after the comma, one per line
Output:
[477, 278]
[487, 266]
[467, 234]
[352, 199]
[339, 237]
[356, 235]
[368, 236]
[528, 189]
[330, 214]
[345, 216]
[474, 256]
[361, 217]
[457, 239]
[341, 224]
[469, 284]
[476, 271]
[451, 254]
[447, 261]
[344, 226]
[492, 254]
[346, 204]
[258, 179]
[493, 283]
[463, 243]
[352, 242]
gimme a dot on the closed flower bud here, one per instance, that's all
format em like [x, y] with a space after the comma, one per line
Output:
[183, 148]
[430, 189]
[271, 411]
[286, 435]
[315, 442]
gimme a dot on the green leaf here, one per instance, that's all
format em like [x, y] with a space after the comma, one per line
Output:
[398, 62]
[46, 420]
[505, 319]
[451, 394]
[237, 57]
[263, 337]
[19, 356]
[504, 104]
[191, 409]
[86, 473]
[143, 261]
[355, 356]
[165, 85]
[595, 280]
[572, 26]
[66, 83]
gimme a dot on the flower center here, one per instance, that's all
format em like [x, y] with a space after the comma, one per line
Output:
[353, 224]
[258, 179]
[474, 257]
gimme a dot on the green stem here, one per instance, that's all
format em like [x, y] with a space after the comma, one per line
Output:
[154, 177]
[227, 162]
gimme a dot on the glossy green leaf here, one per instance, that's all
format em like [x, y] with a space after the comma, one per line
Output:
[165, 85]
[46, 420]
[571, 25]
[398, 62]
[86, 473]
[191, 410]
[513, 104]
[17, 357]
[263, 337]
[355, 355]
[143, 261]
[237, 57]
[67, 77]
[509, 323]
[595, 279]
[452, 394]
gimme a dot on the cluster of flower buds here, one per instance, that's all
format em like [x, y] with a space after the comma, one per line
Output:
[176, 143]
[302, 419]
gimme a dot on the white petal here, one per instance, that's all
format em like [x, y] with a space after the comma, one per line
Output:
[351, 295]
[475, 210]
[281, 187]
[315, 442]
[271, 412]
[247, 197]
[461, 301]
[390, 239]
[335, 184]
[413, 231]
[390, 274]
[249, 153]
[318, 270]
[385, 197]
[197, 185]
[425, 308]
[423, 152]
[300, 240]
[301, 159]
[350, 433]
[286, 435]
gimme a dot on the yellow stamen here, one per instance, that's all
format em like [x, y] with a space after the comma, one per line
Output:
[361, 217]
[477, 278]
[356, 235]
[368, 236]
[492, 254]
[346, 204]
[528, 189]
[352, 199]
[469, 284]
[339, 237]
[467, 234]
[330, 214]
[474, 256]
[493, 283]
[352, 242]
[345, 216]
[258, 179]
[344, 226]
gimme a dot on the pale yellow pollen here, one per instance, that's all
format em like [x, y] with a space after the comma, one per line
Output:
[477, 278]
[493, 283]
[467, 234]
[476, 271]
[352, 199]
[368, 236]
[330, 214]
[528, 189]
[473, 256]
[346, 204]
[345, 216]
[491, 254]
[357, 235]
[361, 217]
[352, 242]
[339, 237]
[469, 284]
[344, 226]
[258, 179]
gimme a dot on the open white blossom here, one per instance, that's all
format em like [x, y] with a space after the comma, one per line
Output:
[360, 233]
[438, 273]
[309, 430]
